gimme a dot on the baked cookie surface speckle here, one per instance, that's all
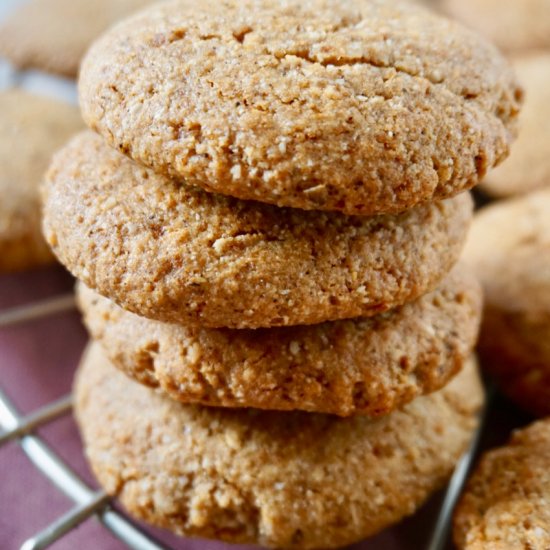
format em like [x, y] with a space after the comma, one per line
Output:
[528, 167]
[363, 107]
[509, 249]
[31, 129]
[178, 254]
[292, 480]
[53, 35]
[361, 366]
[506, 505]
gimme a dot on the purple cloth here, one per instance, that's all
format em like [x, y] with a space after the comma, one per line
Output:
[37, 362]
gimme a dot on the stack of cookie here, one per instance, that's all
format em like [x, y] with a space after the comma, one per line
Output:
[278, 231]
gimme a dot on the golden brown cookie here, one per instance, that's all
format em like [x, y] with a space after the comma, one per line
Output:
[53, 35]
[506, 505]
[178, 254]
[509, 248]
[513, 25]
[286, 480]
[31, 129]
[365, 107]
[528, 167]
[361, 366]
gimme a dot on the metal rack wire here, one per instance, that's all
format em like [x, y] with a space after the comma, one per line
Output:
[90, 503]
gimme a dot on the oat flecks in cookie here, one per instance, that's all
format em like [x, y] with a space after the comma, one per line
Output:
[53, 35]
[178, 254]
[31, 129]
[509, 249]
[506, 504]
[286, 480]
[361, 366]
[528, 167]
[363, 107]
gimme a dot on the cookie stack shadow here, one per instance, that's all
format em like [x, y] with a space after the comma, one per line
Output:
[298, 354]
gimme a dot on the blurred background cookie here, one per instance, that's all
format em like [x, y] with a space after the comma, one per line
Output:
[509, 249]
[506, 505]
[31, 129]
[513, 25]
[528, 166]
[53, 35]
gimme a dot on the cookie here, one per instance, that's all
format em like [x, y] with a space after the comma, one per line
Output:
[363, 107]
[53, 35]
[178, 254]
[528, 167]
[511, 24]
[361, 366]
[285, 480]
[507, 501]
[509, 248]
[31, 129]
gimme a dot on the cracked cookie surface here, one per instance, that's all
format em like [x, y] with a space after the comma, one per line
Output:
[178, 254]
[31, 129]
[285, 480]
[365, 106]
[506, 503]
[361, 366]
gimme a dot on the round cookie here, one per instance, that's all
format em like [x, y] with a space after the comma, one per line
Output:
[178, 254]
[528, 167]
[507, 501]
[361, 366]
[285, 480]
[363, 107]
[31, 129]
[509, 249]
[513, 25]
[53, 35]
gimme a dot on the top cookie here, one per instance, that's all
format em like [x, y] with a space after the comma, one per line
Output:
[363, 107]
[31, 128]
[507, 502]
[53, 35]
[512, 25]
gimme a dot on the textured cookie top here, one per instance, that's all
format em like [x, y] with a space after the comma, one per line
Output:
[286, 480]
[513, 25]
[507, 501]
[178, 254]
[362, 366]
[54, 34]
[31, 129]
[528, 167]
[509, 248]
[365, 106]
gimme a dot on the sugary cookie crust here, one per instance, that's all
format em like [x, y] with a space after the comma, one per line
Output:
[365, 107]
[363, 366]
[506, 504]
[178, 254]
[286, 480]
